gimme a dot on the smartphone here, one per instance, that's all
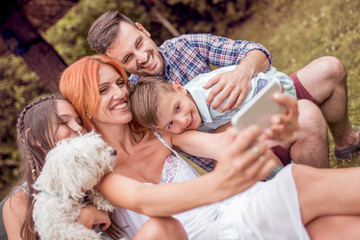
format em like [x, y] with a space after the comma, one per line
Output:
[259, 109]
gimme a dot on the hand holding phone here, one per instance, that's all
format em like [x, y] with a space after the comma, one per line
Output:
[259, 109]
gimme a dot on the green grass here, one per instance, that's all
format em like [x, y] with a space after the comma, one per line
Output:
[299, 31]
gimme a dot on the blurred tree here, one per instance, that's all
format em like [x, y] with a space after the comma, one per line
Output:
[18, 86]
[21, 22]
[211, 16]
[23, 38]
[68, 36]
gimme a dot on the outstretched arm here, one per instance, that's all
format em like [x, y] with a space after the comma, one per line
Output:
[210, 144]
[239, 169]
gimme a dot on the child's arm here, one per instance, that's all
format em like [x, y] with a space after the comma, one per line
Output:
[210, 145]
[223, 128]
[202, 144]
[240, 168]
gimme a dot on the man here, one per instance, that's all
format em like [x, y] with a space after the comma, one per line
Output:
[323, 81]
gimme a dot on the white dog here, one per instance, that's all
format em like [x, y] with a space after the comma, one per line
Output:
[69, 175]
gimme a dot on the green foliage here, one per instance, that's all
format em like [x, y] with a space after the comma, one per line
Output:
[18, 86]
[210, 16]
[68, 36]
[302, 31]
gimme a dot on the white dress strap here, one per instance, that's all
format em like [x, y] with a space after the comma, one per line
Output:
[171, 165]
[158, 135]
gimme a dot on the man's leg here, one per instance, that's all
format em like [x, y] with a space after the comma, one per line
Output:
[325, 80]
[309, 145]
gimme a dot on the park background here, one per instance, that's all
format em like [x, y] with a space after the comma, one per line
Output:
[294, 31]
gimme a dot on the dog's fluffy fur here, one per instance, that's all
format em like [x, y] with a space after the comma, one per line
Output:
[71, 171]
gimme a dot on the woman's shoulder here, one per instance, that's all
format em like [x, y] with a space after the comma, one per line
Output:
[164, 136]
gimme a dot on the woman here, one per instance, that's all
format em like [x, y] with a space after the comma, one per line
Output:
[97, 87]
[40, 125]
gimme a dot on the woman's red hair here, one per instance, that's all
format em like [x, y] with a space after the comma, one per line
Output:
[79, 83]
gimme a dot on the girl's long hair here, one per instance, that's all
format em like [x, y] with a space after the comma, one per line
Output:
[36, 129]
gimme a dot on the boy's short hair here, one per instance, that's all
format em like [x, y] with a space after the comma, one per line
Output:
[103, 31]
[145, 99]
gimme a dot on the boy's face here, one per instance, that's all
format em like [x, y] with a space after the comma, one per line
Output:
[177, 112]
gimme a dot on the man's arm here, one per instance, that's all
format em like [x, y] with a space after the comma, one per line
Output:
[250, 57]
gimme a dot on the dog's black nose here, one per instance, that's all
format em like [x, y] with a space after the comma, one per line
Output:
[113, 152]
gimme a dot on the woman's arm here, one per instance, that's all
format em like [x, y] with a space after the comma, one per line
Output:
[283, 125]
[239, 169]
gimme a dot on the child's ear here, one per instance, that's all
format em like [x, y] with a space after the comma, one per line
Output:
[179, 88]
[27, 132]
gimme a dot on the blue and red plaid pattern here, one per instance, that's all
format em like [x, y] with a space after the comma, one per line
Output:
[205, 163]
[189, 55]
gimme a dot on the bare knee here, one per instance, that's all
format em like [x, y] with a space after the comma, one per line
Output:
[161, 228]
[310, 143]
[312, 124]
[331, 67]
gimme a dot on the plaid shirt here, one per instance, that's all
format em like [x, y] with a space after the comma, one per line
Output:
[189, 55]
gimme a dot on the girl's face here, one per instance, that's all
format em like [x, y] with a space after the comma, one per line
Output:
[114, 106]
[70, 124]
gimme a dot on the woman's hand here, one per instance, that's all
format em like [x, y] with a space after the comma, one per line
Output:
[244, 161]
[90, 217]
[283, 125]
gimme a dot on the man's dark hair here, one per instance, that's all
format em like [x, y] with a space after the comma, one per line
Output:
[103, 31]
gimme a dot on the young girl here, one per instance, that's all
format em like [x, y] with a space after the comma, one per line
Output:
[296, 204]
[40, 125]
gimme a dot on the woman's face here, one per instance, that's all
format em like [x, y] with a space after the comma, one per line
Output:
[70, 124]
[114, 106]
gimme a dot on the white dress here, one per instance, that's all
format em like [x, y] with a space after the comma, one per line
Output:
[268, 210]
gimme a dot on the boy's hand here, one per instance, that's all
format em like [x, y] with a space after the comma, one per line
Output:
[283, 125]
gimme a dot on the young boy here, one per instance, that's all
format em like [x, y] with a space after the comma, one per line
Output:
[168, 106]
